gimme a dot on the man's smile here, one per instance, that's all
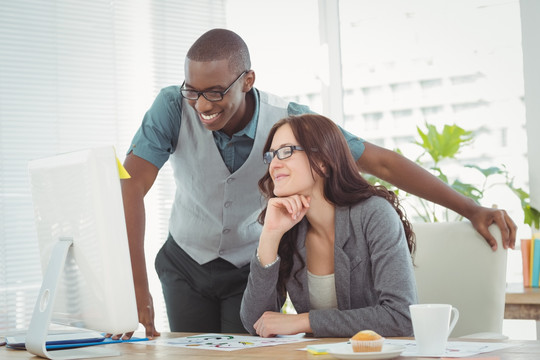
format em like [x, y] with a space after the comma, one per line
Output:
[208, 118]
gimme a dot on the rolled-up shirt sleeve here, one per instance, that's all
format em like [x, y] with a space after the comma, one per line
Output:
[356, 144]
[157, 136]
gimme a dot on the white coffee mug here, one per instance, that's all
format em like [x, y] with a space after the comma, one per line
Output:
[432, 326]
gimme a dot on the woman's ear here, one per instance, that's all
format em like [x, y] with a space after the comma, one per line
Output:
[324, 169]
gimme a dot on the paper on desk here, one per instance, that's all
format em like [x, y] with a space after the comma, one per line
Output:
[454, 349]
[475, 358]
[225, 342]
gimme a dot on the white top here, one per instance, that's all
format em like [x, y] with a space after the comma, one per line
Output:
[322, 291]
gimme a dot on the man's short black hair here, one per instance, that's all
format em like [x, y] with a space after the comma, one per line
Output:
[220, 44]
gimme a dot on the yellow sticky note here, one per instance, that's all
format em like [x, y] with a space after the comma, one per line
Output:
[122, 170]
[317, 349]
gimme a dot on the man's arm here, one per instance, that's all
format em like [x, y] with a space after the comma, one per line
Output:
[143, 174]
[408, 176]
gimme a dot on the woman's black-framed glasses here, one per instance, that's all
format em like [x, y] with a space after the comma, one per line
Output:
[281, 153]
[211, 95]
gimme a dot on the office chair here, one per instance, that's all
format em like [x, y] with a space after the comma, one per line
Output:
[455, 265]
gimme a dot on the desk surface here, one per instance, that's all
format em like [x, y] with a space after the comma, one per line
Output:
[523, 303]
[517, 294]
[525, 350]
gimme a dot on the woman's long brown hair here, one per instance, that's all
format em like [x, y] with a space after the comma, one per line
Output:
[325, 144]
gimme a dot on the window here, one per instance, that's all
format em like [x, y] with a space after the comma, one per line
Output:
[430, 84]
[372, 121]
[80, 74]
[440, 59]
[504, 137]
[403, 93]
[465, 79]
[373, 95]
[432, 89]
[401, 141]
[469, 105]
[432, 110]
[401, 114]
[433, 114]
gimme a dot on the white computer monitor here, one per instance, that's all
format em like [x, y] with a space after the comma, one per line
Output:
[81, 230]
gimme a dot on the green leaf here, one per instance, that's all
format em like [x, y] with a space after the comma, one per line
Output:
[445, 144]
[468, 190]
[440, 174]
[493, 170]
[532, 217]
[521, 194]
[373, 180]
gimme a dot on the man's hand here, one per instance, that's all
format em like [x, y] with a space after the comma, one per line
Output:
[145, 309]
[146, 316]
[483, 217]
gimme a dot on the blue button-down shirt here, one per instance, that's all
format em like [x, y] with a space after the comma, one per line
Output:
[157, 137]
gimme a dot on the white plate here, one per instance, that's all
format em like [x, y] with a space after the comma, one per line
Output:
[345, 351]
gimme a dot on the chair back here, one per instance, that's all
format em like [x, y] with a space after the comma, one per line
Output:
[455, 265]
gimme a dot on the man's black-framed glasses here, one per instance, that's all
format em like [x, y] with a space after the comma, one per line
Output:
[281, 153]
[211, 95]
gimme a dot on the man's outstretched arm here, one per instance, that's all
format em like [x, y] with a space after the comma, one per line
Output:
[143, 175]
[405, 174]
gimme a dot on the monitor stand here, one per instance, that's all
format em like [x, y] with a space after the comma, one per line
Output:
[41, 318]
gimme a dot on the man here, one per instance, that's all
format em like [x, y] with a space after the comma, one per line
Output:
[212, 129]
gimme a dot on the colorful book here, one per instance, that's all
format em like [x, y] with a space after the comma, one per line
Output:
[526, 261]
[531, 261]
[536, 262]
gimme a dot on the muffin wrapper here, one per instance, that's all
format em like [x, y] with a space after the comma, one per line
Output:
[367, 345]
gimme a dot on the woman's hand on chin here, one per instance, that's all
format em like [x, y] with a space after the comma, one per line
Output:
[282, 213]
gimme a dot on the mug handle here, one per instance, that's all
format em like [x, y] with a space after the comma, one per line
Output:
[455, 318]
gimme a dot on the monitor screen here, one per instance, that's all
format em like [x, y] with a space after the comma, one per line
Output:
[77, 198]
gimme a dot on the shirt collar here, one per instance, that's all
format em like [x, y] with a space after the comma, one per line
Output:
[251, 128]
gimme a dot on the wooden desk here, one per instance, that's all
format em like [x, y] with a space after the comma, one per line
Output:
[524, 350]
[523, 303]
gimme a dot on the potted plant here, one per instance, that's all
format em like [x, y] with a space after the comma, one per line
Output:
[438, 147]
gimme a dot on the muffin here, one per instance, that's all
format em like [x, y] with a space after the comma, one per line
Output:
[367, 341]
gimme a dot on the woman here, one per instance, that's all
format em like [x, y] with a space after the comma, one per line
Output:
[340, 247]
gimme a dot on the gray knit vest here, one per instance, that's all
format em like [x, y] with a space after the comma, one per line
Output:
[215, 212]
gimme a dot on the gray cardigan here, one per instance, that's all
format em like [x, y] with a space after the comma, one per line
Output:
[373, 275]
